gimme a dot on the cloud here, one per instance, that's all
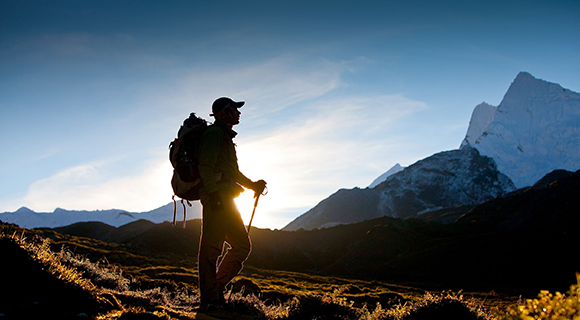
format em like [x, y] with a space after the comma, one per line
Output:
[95, 185]
[270, 86]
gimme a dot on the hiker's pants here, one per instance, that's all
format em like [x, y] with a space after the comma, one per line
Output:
[219, 226]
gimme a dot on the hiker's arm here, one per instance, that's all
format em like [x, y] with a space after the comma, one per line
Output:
[210, 148]
[257, 186]
[244, 181]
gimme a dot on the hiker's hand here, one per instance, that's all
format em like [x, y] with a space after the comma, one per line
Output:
[259, 187]
[216, 201]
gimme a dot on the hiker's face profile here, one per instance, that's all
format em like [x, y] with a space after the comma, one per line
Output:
[233, 115]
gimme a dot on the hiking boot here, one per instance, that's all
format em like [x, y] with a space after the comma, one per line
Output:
[212, 305]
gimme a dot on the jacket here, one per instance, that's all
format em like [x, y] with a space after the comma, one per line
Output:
[218, 162]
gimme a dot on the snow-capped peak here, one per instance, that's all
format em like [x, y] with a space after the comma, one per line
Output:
[534, 130]
[481, 117]
[396, 168]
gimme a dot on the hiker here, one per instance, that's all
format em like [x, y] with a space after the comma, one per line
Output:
[222, 181]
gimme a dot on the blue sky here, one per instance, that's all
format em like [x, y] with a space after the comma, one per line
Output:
[337, 92]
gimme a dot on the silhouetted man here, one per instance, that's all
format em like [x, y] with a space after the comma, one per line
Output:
[222, 221]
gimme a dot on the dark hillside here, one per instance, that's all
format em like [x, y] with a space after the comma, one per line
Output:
[130, 230]
[32, 292]
[105, 232]
[556, 175]
[93, 229]
[552, 208]
[164, 237]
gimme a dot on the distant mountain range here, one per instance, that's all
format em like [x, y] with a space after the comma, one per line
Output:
[27, 218]
[534, 130]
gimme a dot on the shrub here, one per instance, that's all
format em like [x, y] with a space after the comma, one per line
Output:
[327, 306]
[550, 306]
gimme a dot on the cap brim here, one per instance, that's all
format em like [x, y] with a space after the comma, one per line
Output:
[238, 104]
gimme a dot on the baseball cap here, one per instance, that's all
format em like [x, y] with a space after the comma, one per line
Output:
[224, 102]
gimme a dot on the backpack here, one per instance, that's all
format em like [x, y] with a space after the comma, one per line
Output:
[184, 157]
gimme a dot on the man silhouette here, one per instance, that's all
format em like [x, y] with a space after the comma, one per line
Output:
[222, 221]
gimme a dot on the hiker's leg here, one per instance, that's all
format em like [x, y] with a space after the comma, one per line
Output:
[210, 247]
[240, 246]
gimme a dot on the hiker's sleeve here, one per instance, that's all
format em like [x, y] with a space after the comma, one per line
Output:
[244, 181]
[210, 148]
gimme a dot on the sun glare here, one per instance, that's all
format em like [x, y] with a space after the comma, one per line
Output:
[257, 161]
[245, 203]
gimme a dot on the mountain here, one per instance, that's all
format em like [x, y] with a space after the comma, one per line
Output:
[344, 206]
[396, 168]
[534, 130]
[105, 232]
[27, 218]
[450, 178]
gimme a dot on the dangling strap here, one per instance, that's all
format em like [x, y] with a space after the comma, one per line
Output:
[184, 212]
[184, 217]
[174, 209]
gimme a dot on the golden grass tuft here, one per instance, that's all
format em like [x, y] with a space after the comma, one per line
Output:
[549, 306]
[39, 249]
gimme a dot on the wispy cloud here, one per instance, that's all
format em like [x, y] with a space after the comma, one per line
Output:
[274, 85]
[91, 186]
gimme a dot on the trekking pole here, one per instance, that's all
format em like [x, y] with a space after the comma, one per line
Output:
[257, 196]
[253, 212]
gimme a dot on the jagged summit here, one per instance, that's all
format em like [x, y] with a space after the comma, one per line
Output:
[534, 130]
[396, 168]
[480, 118]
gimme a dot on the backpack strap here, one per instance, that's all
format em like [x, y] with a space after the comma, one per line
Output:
[174, 209]
[184, 210]
[189, 204]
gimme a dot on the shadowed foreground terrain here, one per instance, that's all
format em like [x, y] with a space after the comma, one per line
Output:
[39, 283]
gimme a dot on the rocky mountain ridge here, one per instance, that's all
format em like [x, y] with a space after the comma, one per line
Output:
[450, 178]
